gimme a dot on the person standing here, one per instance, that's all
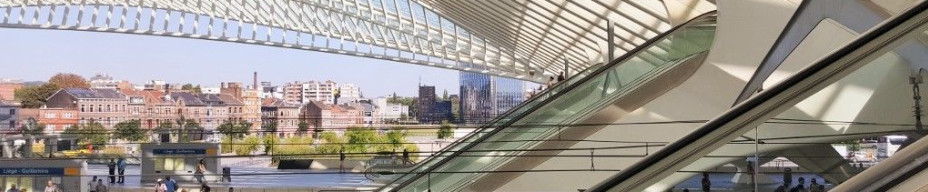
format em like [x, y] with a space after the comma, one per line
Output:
[800, 185]
[101, 187]
[815, 187]
[13, 188]
[706, 184]
[121, 165]
[112, 169]
[51, 187]
[201, 168]
[341, 158]
[561, 77]
[750, 170]
[788, 177]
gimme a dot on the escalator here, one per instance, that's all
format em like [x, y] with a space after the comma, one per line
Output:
[856, 92]
[670, 55]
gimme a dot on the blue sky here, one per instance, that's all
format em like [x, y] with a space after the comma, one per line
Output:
[32, 55]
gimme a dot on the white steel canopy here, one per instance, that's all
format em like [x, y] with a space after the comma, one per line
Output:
[523, 39]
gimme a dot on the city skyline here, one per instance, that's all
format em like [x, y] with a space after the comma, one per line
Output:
[181, 61]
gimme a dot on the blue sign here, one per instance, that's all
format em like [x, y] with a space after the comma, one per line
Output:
[179, 151]
[31, 171]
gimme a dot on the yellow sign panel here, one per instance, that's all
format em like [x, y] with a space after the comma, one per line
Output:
[72, 171]
[211, 152]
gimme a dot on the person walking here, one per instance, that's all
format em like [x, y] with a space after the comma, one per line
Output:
[341, 158]
[204, 187]
[92, 185]
[201, 168]
[706, 184]
[112, 169]
[160, 187]
[121, 165]
[50, 186]
[101, 187]
[406, 156]
[169, 184]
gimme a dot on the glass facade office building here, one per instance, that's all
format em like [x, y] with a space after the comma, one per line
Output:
[483, 97]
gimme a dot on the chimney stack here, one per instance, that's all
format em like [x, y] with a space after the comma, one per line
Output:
[255, 85]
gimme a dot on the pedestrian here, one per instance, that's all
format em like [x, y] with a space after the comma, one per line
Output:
[706, 184]
[750, 170]
[169, 184]
[121, 165]
[800, 185]
[112, 169]
[92, 185]
[788, 177]
[341, 158]
[781, 188]
[13, 188]
[51, 187]
[160, 187]
[101, 187]
[406, 156]
[815, 187]
[550, 81]
[561, 77]
[231, 189]
[201, 168]
[204, 187]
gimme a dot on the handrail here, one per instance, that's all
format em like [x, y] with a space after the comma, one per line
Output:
[746, 108]
[570, 87]
[500, 117]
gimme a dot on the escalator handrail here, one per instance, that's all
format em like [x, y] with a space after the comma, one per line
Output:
[508, 112]
[756, 101]
[651, 42]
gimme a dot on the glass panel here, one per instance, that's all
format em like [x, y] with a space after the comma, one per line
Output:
[546, 109]
[827, 138]
[25, 183]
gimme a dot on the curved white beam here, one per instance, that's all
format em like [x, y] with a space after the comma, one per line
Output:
[395, 30]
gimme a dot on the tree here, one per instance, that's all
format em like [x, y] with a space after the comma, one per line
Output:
[68, 80]
[129, 130]
[35, 96]
[270, 143]
[302, 127]
[194, 130]
[270, 127]
[165, 127]
[191, 88]
[445, 132]
[332, 143]
[248, 145]
[94, 133]
[396, 137]
[359, 137]
[32, 127]
[234, 130]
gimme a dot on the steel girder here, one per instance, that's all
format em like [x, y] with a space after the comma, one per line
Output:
[395, 30]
